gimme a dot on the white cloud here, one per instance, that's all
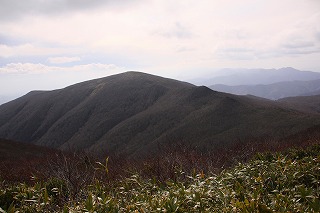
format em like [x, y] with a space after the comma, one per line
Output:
[172, 35]
[63, 60]
[98, 70]
[20, 50]
[24, 68]
[176, 31]
[29, 49]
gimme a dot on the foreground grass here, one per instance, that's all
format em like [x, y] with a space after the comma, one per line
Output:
[287, 182]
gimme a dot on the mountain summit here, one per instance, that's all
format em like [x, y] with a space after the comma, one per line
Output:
[134, 113]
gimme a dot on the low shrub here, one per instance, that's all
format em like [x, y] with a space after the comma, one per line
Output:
[270, 182]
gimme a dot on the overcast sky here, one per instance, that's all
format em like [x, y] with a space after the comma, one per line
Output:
[52, 43]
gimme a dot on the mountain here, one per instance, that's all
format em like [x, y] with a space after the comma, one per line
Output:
[234, 77]
[273, 91]
[136, 114]
[308, 104]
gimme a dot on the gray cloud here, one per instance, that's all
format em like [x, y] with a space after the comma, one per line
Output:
[15, 9]
[185, 49]
[300, 51]
[177, 31]
[298, 47]
[10, 41]
[317, 35]
[251, 54]
[236, 53]
[298, 44]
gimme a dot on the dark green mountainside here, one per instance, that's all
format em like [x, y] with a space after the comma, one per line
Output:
[134, 113]
[308, 104]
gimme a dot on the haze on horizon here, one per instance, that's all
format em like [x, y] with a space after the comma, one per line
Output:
[51, 44]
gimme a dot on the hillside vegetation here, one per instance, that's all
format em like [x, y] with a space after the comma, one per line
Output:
[278, 182]
[18, 161]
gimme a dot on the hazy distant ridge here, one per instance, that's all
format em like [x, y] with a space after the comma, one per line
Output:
[273, 91]
[235, 77]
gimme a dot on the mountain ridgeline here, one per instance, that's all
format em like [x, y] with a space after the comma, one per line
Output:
[274, 91]
[271, 84]
[136, 114]
[235, 77]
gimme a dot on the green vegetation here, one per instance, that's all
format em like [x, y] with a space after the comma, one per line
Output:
[270, 182]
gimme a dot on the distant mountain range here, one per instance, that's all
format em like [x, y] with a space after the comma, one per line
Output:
[273, 91]
[235, 77]
[135, 113]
